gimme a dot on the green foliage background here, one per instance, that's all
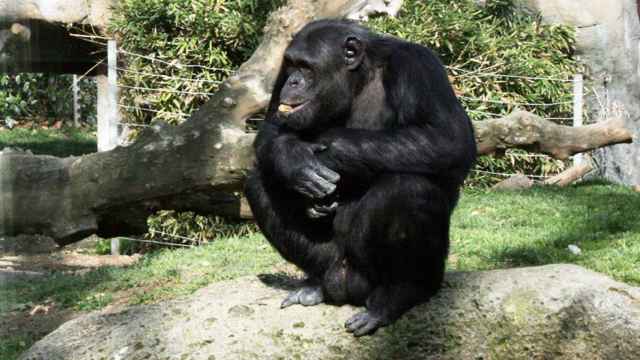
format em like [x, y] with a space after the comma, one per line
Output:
[28, 96]
[215, 35]
[218, 35]
[476, 43]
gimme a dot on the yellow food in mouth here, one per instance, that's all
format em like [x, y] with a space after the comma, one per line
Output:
[284, 108]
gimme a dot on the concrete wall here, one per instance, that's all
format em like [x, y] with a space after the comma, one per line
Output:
[608, 35]
[90, 12]
[44, 44]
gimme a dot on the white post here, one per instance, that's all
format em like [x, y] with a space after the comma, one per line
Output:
[115, 246]
[108, 112]
[578, 101]
[76, 101]
[108, 96]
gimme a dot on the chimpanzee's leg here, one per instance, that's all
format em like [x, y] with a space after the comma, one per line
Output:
[306, 243]
[397, 237]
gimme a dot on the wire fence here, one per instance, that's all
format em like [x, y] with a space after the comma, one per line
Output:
[480, 73]
[503, 102]
[162, 76]
[178, 240]
[486, 102]
[154, 111]
[508, 175]
[177, 84]
[181, 237]
[197, 81]
[174, 91]
[458, 72]
[497, 115]
[156, 242]
[174, 63]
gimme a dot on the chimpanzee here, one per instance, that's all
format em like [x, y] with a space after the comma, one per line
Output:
[359, 165]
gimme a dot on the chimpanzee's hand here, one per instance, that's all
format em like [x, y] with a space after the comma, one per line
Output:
[318, 211]
[315, 180]
[311, 178]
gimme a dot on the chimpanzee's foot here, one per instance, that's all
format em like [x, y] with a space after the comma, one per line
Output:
[306, 295]
[365, 323]
[385, 305]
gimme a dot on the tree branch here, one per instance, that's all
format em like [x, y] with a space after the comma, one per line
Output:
[528, 131]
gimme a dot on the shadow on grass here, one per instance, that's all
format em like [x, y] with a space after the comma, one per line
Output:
[65, 289]
[60, 143]
[58, 148]
[592, 216]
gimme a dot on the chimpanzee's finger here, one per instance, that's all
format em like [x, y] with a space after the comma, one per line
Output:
[327, 174]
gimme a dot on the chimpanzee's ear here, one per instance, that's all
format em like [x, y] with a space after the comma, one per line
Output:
[353, 52]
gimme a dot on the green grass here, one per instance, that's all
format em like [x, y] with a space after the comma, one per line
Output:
[58, 142]
[490, 230]
[534, 227]
[12, 346]
[160, 275]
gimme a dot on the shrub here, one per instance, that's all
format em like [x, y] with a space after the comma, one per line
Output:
[216, 35]
[478, 41]
[46, 96]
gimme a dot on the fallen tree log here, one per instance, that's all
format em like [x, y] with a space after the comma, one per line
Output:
[200, 165]
[528, 131]
[572, 174]
[563, 179]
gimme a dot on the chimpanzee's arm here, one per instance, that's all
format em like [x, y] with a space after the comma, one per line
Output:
[363, 154]
[288, 161]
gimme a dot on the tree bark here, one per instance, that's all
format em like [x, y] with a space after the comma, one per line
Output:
[530, 132]
[200, 165]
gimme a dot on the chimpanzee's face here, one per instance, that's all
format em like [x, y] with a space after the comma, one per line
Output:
[316, 82]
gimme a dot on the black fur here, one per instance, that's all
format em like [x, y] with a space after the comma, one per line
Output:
[357, 185]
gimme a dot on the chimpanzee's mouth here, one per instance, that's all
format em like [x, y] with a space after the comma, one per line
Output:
[289, 109]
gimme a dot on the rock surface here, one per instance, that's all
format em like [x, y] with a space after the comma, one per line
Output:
[555, 311]
[515, 182]
[608, 43]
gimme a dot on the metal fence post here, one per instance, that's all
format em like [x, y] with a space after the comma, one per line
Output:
[108, 113]
[76, 101]
[578, 102]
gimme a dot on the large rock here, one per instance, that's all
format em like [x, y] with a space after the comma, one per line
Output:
[556, 311]
[608, 43]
